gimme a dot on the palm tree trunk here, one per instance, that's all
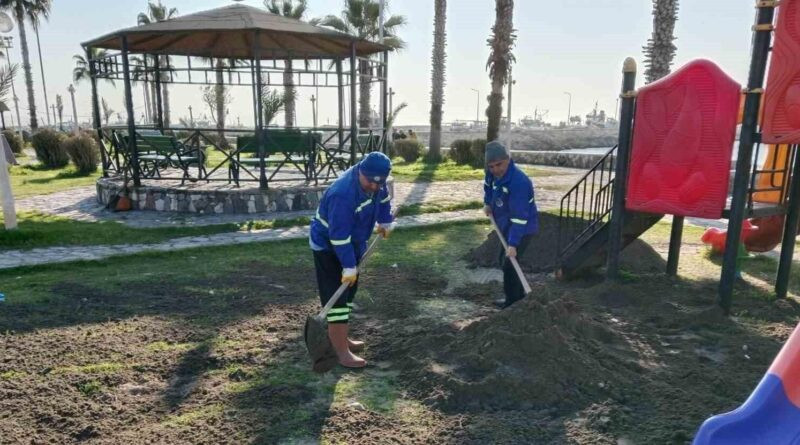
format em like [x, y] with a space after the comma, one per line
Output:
[26, 66]
[364, 92]
[154, 101]
[289, 92]
[660, 49]
[437, 79]
[500, 61]
[165, 92]
[145, 90]
[219, 89]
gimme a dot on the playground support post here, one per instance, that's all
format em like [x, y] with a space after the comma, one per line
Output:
[675, 239]
[747, 137]
[789, 233]
[621, 168]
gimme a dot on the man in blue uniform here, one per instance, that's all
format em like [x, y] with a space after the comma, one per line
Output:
[508, 196]
[340, 230]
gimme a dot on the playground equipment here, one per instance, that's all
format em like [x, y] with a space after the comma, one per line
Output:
[674, 157]
[771, 415]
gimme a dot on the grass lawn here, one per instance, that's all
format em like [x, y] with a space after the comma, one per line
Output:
[447, 170]
[205, 345]
[29, 180]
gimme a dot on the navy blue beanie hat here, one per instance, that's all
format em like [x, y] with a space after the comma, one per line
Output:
[376, 167]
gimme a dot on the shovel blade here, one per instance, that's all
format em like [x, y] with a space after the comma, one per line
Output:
[319, 346]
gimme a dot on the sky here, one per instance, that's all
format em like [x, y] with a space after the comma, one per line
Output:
[574, 46]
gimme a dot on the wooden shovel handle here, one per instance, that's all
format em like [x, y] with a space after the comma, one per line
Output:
[525, 285]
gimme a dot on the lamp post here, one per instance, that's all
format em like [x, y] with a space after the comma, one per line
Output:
[6, 45]
[314, 109]
[71, 90]
[569, 107]
[477, 107]
[191, 117]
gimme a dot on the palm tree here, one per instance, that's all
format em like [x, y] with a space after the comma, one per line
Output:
[361, 18]
[499, 63]
[32, 10]
[60, 109]
[138, 73]
[81, 70]
[107, 111]
[437, 79]
[660, 51]
[157, 12]
[272, 102]
[296, 10]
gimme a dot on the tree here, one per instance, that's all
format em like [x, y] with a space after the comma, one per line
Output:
[107, 111]
[81, 71]
[499, 63]
[157, 12]
[361, 18]
[272, 102]
[660, 49]
[7, 75]
[437, 79]
[60, 109]
[32, 10]
[215, 106]
[296, 10]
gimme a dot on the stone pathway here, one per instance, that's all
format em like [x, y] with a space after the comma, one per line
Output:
[18, 258]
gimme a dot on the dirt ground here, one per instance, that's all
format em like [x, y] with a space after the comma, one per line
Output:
[221, 359]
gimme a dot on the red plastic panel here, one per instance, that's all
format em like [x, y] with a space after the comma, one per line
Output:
[782, 102]
[682, 142]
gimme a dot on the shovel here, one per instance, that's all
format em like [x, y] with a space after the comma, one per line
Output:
[522, 279]
[315, 332]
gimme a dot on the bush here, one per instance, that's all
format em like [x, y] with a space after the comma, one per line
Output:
[49, 148]
[408, 149]
[13, 140]
[479, 153]
[461, 151]
[83, 151]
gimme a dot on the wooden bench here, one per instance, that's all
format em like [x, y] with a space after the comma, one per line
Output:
[279, 148]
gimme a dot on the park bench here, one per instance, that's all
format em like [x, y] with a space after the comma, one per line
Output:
[279, 148]
[157, 152]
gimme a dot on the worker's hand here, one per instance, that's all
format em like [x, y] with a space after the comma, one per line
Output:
[511, 252]
[487, 210]
[385, 230]
[350, 276]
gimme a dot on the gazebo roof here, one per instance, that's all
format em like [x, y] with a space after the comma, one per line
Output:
[229, 32]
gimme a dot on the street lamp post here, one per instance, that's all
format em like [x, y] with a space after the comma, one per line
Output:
[569, 107]
[6, 44]
[314, 109]
[477, 107]
[71, 90]
[191, 117]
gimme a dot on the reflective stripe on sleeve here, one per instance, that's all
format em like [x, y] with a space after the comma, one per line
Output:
[322, 221]
[342, 242]
[364, 204]
[386, 199]
[519, 221]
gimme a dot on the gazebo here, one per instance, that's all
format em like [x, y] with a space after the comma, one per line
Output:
[237, 46]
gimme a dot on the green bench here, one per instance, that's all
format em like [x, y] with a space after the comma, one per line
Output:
[280, 147]
[156, 152]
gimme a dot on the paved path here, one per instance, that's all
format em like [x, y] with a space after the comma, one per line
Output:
[17, 258]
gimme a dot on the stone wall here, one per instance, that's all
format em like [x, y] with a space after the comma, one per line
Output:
[555, 158]
[213, 201]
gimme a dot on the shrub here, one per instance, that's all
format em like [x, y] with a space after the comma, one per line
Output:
[13, 140]
[461, 151]
[408, 149]
[49, 149]
[479, 153]
[83, 151]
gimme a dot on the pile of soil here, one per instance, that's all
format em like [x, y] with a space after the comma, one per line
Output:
[538, 354]
[541, 254]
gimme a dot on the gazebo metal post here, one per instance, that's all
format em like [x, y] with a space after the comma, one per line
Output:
[385, 102]
[262, 180]
[129, 109]
[340, 91]
[253, 88]
[159, 105]
[353, 114]
[96, 112]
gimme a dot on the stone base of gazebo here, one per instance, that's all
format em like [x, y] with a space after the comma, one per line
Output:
[213, 198]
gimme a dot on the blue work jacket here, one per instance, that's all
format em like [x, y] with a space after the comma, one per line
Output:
[512, 203]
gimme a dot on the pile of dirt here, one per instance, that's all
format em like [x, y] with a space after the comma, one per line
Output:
[541, 254]
[537, 354]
